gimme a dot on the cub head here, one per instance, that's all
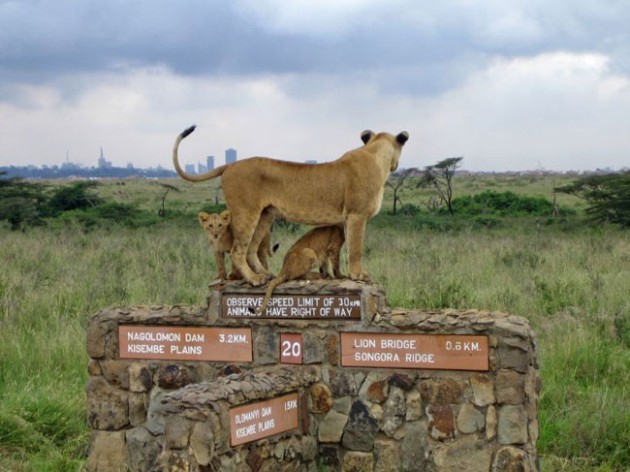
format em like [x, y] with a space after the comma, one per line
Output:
[215, 224]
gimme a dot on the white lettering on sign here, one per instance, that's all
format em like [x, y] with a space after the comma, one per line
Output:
[414, 351]
[462, 346]
[146, 348]
[263, 419]
[153, 337]
[185, 343]
[293, 306]
[233, 338]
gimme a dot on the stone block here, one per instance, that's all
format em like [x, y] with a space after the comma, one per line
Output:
[176, 432]
[470, 419]
[202, 442]
[415, 447]
[441, 422]
[467, 454]
[357, 462]
[510, 387]
[513, 358]
[394, 412]
[361, 429]
[138, 403]
[387, 455]
[331, 427]
[510, 459]
[491, 423]
[140, 378]
[108, 452]
[321, 398]
[143, 449]
[414, 406]
[107, 406]
[483, 389]
[313, 349]
[441, 391]
[512, 425]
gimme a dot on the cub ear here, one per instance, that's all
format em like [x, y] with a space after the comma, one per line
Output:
[203, 216]
[366, 136]
[225, 215]
[402, 137]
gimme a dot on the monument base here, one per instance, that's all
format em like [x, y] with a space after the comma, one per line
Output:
[194, 388]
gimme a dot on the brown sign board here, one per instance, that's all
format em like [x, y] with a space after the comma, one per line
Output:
[312, 307]
[414, 351]
[291, 348]
[185, 343]
[263, 419]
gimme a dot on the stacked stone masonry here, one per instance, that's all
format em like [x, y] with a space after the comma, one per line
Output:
[165, 415]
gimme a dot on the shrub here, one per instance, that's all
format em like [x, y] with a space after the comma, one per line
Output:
[502, 204]
[77, 196]
[409, 209]
[110, 213]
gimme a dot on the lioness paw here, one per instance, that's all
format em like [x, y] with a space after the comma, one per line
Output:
[361, 276]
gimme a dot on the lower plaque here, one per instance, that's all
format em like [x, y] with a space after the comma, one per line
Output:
[414, 351]
[185, 343]
[262, 419]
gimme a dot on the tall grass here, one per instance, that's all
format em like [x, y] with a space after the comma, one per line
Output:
[572, 286]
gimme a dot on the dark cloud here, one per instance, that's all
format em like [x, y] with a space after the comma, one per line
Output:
[40, 41]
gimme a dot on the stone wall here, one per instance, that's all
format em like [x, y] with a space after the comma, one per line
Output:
[166, 414]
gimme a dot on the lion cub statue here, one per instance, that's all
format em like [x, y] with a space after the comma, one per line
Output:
[318, 249]
[217, 226]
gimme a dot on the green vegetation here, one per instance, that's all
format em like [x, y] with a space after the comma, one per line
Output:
[608, 196]
[569, 278]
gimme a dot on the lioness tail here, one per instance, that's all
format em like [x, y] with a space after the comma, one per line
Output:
[192, 177]
[272, 285]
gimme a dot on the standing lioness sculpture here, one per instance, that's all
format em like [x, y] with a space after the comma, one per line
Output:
[347, 191]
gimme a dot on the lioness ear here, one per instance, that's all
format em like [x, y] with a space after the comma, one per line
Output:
[402, 137]
[366, 136]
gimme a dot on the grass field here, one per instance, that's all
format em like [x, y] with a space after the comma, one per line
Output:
[568, 278]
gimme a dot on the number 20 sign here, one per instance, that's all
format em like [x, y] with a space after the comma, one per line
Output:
[291, 348]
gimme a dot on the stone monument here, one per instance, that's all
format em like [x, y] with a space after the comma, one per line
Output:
[329, 377]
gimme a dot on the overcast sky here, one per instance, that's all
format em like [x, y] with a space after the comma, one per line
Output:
[508, 84]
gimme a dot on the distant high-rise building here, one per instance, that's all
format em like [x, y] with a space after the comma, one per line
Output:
[200, 168]
[210, 163]
[310, 161]
[102, 162]
[189, 168]
[230, 156]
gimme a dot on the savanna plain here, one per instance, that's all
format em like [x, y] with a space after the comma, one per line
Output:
[569, 277]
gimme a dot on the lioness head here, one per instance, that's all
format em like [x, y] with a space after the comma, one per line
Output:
[215, 224]
[398, 141]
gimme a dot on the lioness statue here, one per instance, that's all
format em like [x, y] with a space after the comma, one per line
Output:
[347, 191]
[217, 226]
[319, 249]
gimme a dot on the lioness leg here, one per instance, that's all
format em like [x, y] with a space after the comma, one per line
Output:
[262, 230]
[355, 232]
[243, 227]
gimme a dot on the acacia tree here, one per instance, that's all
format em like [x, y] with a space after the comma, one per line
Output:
[396, 183]
[608, 196]
[21, 202]
[168, 188]
[440, 176]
